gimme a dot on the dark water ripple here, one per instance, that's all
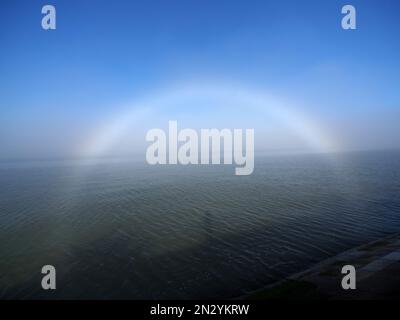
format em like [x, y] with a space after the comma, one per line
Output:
[127, 230]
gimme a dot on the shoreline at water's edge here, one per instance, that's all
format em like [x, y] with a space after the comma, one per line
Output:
[313, 282]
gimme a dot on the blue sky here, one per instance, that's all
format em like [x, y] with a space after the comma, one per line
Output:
[55, 85]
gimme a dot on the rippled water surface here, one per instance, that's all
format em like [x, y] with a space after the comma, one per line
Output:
[123, 229]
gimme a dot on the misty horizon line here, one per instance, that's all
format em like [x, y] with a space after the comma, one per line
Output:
[140, 157]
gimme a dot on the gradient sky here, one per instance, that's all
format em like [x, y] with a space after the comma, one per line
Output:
[57, 87]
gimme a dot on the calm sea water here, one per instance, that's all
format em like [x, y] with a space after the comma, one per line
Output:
[122, 229]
